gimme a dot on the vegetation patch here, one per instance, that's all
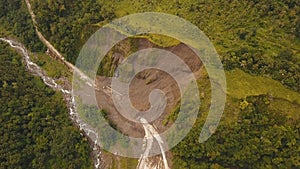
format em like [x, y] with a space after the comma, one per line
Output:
[36, 131]
[241, 85]
[54, 68]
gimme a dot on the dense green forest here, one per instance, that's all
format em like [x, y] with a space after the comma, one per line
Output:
[16, 22]
[259, 37]
[36, 131]
[259, 128]
[261, 138]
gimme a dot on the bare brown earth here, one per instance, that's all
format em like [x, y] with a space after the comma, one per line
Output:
[140, 87]
[143, 83]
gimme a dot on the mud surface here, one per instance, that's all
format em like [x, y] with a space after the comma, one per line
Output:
[143, 83]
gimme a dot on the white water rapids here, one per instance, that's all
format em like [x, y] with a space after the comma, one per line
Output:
[144, 162]
[150, 132]
[35, 69]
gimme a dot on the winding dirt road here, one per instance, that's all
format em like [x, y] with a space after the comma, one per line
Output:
[149, 129]
[53, 50]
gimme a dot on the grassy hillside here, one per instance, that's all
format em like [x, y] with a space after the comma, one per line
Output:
[240, 85]
[54, 68]
[259, 37]
[257, 40]
[258, 129]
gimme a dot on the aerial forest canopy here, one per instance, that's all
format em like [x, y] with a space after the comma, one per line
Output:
[36, 131]
[259, 37]
[258, 42]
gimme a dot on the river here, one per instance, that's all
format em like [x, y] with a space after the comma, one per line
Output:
[36, 70]
[151, 133]
[144, 161]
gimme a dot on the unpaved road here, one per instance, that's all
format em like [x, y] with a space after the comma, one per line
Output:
[151, 133]
[139, 91]
[55, 52]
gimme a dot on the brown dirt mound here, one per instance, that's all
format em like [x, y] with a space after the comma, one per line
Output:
[143, 83]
